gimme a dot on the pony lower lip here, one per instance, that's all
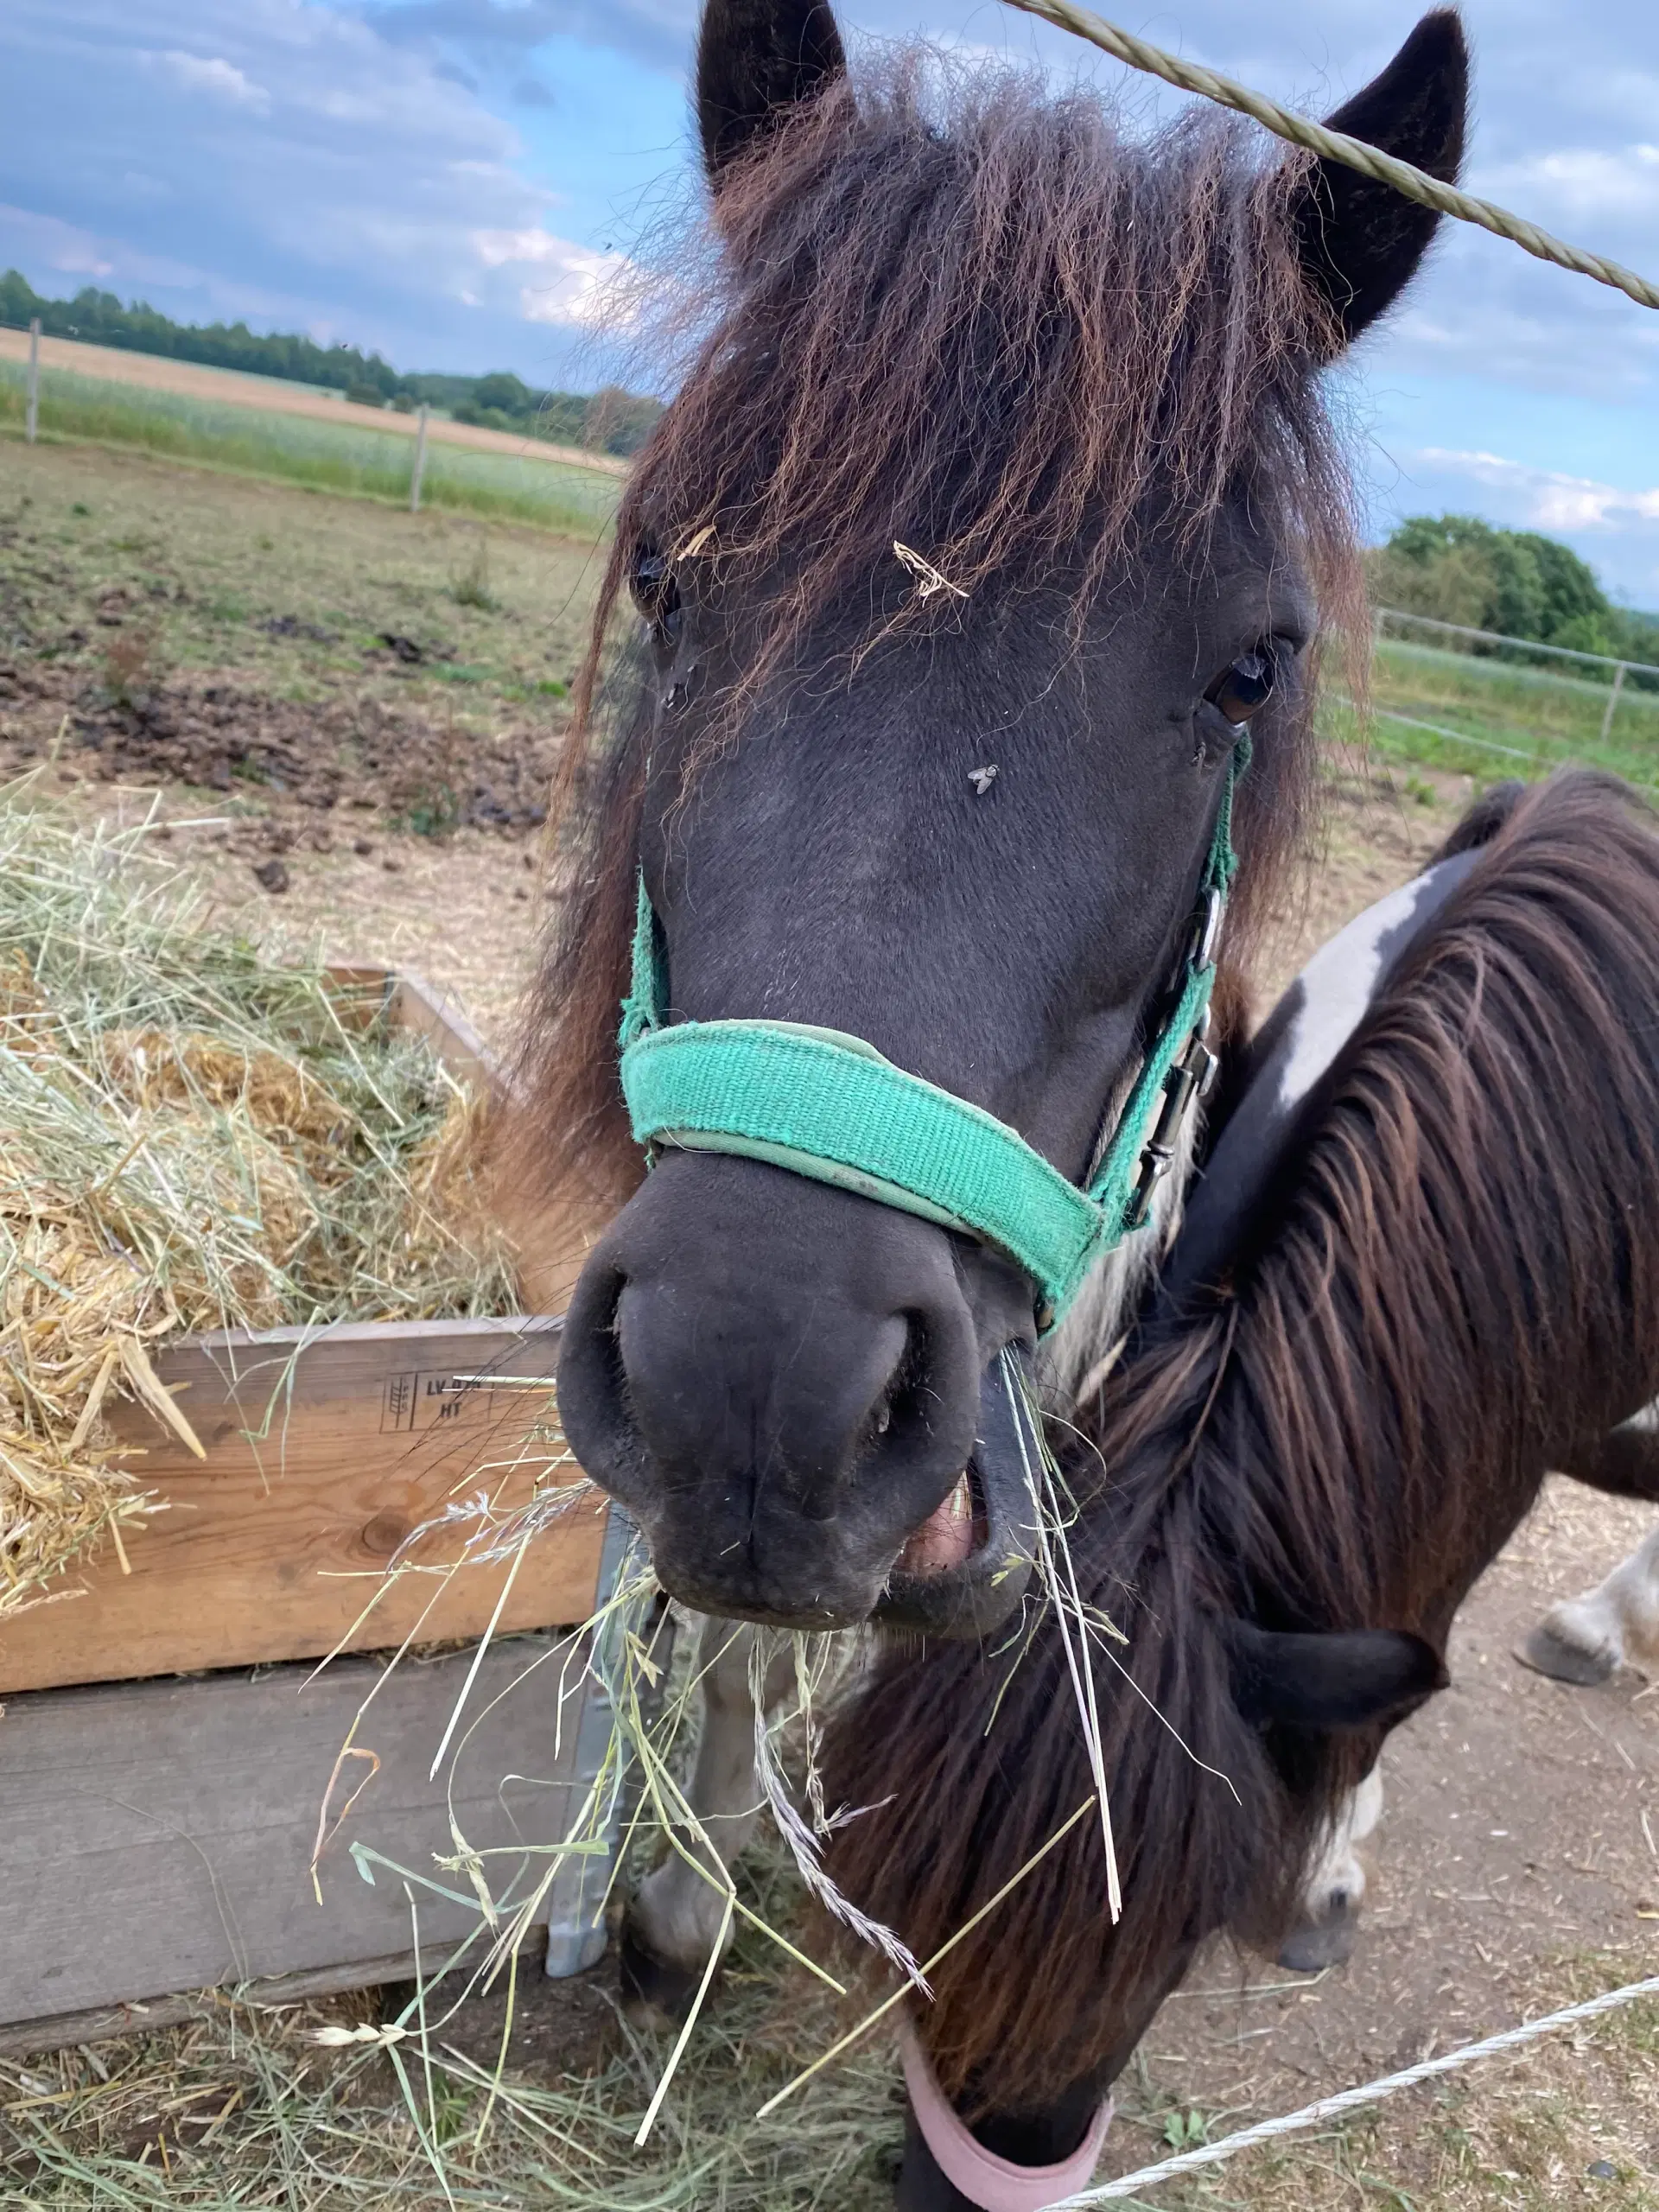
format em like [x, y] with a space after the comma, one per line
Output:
[949, 1535]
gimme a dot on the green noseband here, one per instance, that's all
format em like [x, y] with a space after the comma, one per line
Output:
[829, 1106]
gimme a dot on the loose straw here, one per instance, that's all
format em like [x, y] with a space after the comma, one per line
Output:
[1337, 146]
[898, 1995]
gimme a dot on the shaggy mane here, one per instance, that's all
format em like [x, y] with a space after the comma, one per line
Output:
[1463, 1290]
[943, 307]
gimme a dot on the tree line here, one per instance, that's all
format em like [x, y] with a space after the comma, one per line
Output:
[1517, 582]
[610, 420]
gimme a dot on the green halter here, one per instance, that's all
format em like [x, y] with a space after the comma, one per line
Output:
[829, 1106]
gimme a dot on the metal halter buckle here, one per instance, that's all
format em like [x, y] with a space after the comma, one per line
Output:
[1214, 909]
[1190, 1078]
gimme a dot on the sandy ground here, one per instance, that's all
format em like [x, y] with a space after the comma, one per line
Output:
[276, 395]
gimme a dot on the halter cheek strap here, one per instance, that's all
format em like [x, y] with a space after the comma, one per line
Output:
[994, 2184]
[829, 1106]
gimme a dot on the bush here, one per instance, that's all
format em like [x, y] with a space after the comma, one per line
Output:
[1517, 582]
[619, 421]
[504, 392]
[1461, 570]
[366, 394]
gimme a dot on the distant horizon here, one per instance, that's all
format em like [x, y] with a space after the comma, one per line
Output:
[136, 303]
[261, 376]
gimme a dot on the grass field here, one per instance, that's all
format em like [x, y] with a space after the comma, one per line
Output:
[299, 448]
[1491, 718]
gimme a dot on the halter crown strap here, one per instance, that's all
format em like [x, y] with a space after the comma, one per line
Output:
[829, 1106]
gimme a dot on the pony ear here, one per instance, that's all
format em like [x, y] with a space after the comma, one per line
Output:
[1351, 1680]
[756, 59]
[1361, 242]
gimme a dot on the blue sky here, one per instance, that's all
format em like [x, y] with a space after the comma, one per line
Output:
[455, 181]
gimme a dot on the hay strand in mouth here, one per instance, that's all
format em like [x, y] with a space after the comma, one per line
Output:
[1072, 1618]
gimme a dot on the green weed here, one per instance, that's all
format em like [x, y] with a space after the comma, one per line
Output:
[1185, 2131]
[471, 588]
[432, 813]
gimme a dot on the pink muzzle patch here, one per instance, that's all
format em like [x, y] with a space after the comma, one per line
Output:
[992, 2184]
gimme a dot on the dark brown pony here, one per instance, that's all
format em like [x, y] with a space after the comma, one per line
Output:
[1003, 444]
[1458, 1290]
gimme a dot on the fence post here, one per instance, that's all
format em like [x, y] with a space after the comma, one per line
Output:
[32, 404]
[1612, 701]
[420, 463]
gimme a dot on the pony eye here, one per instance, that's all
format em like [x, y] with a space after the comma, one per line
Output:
[655, 592]
[1245, 688]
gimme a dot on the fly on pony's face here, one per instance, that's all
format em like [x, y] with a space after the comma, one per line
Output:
[1005, 446]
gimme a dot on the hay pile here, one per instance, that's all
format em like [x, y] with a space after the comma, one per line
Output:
[191, 1138]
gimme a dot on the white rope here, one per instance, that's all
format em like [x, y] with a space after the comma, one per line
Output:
[1210, 2154]
[1337, 146]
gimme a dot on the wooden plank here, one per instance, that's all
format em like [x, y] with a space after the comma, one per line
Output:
[414, 1004]
[157, 1836]
[322, 1457]
[368, 990]
[63, 2030]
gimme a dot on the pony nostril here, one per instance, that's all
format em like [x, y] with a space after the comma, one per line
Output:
[884, 1417]
[593, 1382]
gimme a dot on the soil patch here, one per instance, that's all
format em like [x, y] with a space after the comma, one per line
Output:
[297, 662]
[298, 761]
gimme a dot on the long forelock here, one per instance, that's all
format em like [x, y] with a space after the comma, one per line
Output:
[945, 308]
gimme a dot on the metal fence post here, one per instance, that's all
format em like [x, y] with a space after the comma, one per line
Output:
[420, 464]
[32, 404]
[1612, 701]
[576, 1932]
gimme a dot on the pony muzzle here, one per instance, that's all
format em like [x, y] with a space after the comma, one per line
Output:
[785, 1385]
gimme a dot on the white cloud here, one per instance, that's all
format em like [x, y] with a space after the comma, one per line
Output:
[1545, 498]
[1581, 183]
[580, 287]
[219, 79]
[297, 167]
[59, 245]
[496, 249]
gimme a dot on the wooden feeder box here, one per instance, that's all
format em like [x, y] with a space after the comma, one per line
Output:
[168, 1747]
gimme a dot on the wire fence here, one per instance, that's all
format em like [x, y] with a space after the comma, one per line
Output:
[1486, 702]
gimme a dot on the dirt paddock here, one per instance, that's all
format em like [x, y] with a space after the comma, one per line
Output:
[1517, 1864]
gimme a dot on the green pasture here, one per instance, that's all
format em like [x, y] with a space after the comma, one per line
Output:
[1490, 718]
[342, 457]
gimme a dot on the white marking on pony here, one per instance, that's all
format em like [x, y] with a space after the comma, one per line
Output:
[678, 1913]
[1291, 1052]
[1336, 1879]
[1338, 984]
[1617, 1624]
